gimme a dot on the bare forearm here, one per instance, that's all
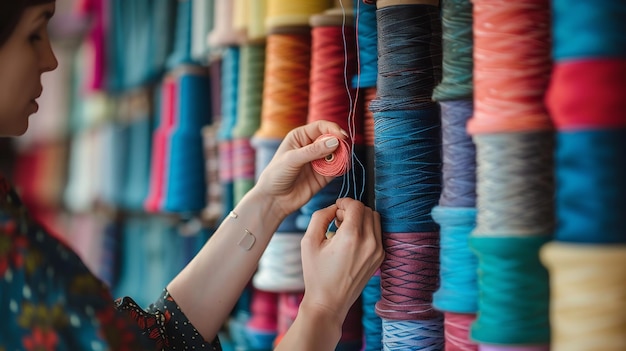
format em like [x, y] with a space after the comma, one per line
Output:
[313, 330]
[209, 287]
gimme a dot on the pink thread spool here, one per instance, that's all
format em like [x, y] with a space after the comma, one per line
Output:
[335, 164]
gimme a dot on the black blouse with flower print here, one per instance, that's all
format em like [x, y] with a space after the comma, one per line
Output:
[49, 300]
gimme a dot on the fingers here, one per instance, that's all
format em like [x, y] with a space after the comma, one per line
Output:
[309, 132]
[351, 214]
[321, 219]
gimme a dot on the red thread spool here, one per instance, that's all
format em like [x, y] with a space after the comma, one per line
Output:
[588, 94]
[160, 142]
[333, 64]
[335, 164]
[457, 326]
[264, 310]
[512, 64]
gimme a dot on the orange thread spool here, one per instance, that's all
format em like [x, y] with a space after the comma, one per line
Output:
[286, 86]
[512, 65]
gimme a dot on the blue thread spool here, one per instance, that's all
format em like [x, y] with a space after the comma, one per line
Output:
[372, 324]
[186, 184]
[413, 335]
[512, 282]
[135, 189]
[368, 48]
[591, 162]
[181, 53]
[265, 150]
[603, 34]
[408, 162]
[458, 290]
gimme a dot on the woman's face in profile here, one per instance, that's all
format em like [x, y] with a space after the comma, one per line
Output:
[24, 57]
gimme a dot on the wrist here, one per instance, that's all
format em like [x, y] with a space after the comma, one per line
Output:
[321, 315]
[268, 204]
[259, 204]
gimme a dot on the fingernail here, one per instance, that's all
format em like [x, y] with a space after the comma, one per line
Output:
[332, 142]
[344, 133]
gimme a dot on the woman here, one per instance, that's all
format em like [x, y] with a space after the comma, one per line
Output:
[49, 300]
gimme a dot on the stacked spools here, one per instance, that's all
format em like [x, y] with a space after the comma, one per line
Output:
[407, 167]
[333, 64]
[587, 100]
[514, 145]
[177, 181]
[364, 81]
[457, 296]
[285, 103]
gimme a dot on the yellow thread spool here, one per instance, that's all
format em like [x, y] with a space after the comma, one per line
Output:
[293, 12]
[588, 302]
[257, 11]
[385, 3]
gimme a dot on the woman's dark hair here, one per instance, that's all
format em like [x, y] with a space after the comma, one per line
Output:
[10, 14]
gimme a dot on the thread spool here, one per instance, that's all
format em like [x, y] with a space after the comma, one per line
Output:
[288, 305]
[591, 196]
[588, 94]
[135, 187]
[243, 168]
[229, 96]
[372, 324]
[456, 332]
[407, 169]
[409, 276]
[333, 63]
[181, 53]
[365, 15]
[281, 13]
[261, 328]
[604, 38]
[257, 11]
[510, 75]
[160, 148]
[213, 211]
[335, 164]
[324, 198]
[368, 139]
[231, 60]
[408, 52]
[458, 288]
[459, 155]
[224, 33]
[286, 85]
[514, 292]
[388, 3]
[413, 335]
[250, 90]
[202, 22]
[588, 295]
[511, 202]
[351, 329]
[280, 267]
[186, 186]
[457, 44]
[514, 348]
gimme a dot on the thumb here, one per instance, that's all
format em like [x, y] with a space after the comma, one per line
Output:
[323, 146]
[320, 220]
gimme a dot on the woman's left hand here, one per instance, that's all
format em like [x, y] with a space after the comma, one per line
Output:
[289, 178]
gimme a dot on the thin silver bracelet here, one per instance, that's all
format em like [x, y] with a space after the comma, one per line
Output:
[248, 239]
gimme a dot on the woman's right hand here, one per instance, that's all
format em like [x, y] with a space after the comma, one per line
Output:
[336, 270]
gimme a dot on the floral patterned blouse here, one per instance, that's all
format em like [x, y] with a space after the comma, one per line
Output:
[49, 300]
